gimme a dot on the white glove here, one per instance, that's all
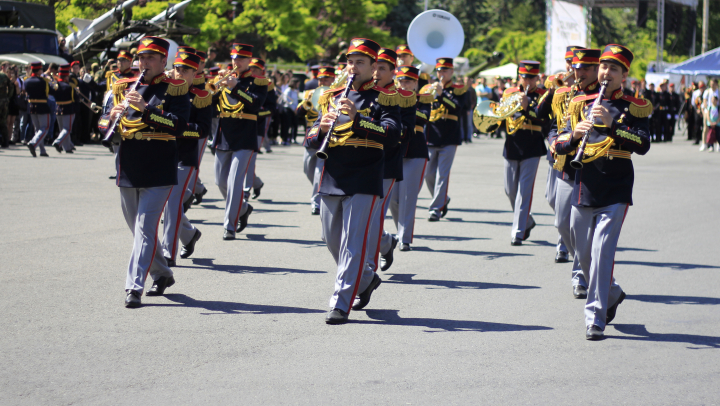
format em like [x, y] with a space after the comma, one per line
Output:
[87, 78]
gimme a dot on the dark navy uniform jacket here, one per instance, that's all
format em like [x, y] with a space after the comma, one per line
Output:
[417, 145]
[394, 154]
[443, 127]
[197, 127]
[357, 166]
[144, 163]
[248, 96]
[37, 89]
[527, 142]
[608, 179]
[266, 111]
[64, 97]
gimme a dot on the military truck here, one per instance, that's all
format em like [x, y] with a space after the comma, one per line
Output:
[27, 34]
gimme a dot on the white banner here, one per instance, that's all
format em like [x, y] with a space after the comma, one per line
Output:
[565, 26]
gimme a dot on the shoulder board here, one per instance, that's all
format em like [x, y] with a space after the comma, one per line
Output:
[459, 89]
[407, 99]
[387, 97]
[511, 90]
[202, 98]
[425, 89]
[425, 98]
[639, 107]
[120, 85]
[261, 80]
[550, 81]
[563, 89]
[584, 97]
[329, 94]
[177, 87]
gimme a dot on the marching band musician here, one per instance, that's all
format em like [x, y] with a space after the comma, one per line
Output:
[176, 226]
[147, 161]
[585, 64]
[352, 181]
[240, 97]
[603, 187]
[403, 201]
[380, 242]
[212, 77]
[65, 100]
[524, 145]
[406, 58]
[557, 94]
[252, 181]
[312, 166]
[443, 136]
[196, 186]
[124, 69]
[37, 87]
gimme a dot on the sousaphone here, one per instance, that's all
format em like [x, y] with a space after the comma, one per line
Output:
[435, 34]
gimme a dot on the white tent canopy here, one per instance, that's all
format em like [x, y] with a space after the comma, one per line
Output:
[505, 71]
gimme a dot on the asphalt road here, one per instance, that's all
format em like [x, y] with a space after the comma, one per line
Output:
[464, 318]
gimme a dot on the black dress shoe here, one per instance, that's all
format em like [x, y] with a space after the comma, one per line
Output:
[58, 148]
[187, 204]
[112, 177]
[199, 196]
[594, 333]
[580, 292]
[132, 299]
[612, 310]
[315, 211]
[228, 235]
[434, 217]
[256, 191]
[159, 286]
[244, 219]
[44, 154]
[187, 250]
[364, 298]
[561, 257]
[404, 247]
[31, 147]
[336, 316]
[516, 241]
[444, 210]
[387, 259]
[170, 262]
[69, 152]
[527, 230]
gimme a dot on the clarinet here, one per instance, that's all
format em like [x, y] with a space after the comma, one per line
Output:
[322, 152]
[107, 141]
[577, 162]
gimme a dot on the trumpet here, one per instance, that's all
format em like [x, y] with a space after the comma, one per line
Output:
[577, 162]
[214, 87]
[561, 79]
[322, 152]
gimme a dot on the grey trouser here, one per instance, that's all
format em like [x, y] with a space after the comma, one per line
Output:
[595, 233]
[377, 224]
[345, 226]
[175, 223]
[214, 124]
[550, 193]
[251, 180]
[563, 208]
[437, 175]
[230, 170]
[519, 184]
[65, 121]
[41, 122]
[196, 185]
[403, 201]
[142, 208]
[313, 168]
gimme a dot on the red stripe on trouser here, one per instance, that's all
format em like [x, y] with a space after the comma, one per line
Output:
[179, 216]
[152, 258]
[362, 257]
[242, 193]
[382, 223]
[42, 137]
[412, 232]
[612, 273]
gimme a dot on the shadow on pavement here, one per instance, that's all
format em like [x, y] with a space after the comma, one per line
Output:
[672, 265]
[391, 317]
[492, 223]
[640, 333]
[674, 300]
[261, 237]
[407, 278]
[269, 201]
[487, 254]
[208, 263]
[634, 249]
[230, 307]
[447, 238]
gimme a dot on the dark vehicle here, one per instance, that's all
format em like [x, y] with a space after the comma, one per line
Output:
[27, 34]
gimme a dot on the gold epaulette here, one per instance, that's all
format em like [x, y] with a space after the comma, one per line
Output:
[388, 97]
[460, 90]
[407, 99]
[558, 104]
[176, 87]
[271, 86]
[261, 81]
[325, 98]
[202, 98]
[550, 82]
[108, 74]
[575, 109]
[426, 98]
[639, 107]
[198, 80]
[120, 85]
